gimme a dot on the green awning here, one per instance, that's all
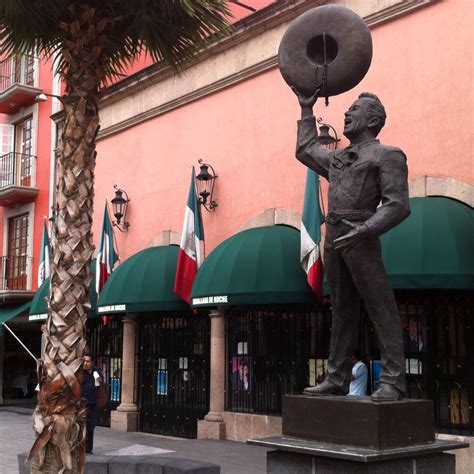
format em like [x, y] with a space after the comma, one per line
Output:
[256, 266]
[39, 306]
[143, 282]
[432, 248]
[10, 311]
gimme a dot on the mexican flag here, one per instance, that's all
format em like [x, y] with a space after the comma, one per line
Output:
[312, 219]
[191, 252]
[44, 268]
[106, 256]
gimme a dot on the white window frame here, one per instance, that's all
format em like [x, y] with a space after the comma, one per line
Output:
[15, 212]
[19, 117]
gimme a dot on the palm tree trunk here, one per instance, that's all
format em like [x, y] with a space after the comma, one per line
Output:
[59, 418]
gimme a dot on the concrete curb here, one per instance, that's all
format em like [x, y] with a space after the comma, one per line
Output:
[97, 464]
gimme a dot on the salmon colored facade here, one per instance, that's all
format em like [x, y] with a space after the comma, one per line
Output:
[233, 110]
[247, 131]
[38, 142]
[27, 144]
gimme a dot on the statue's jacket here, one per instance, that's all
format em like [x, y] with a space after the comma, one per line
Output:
[368, 182]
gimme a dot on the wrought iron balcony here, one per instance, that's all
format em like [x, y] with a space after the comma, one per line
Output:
[15, 284]
[16, 179]
[18, 83]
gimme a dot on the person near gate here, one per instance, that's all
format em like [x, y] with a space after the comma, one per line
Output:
[358, 385]
[91, 394]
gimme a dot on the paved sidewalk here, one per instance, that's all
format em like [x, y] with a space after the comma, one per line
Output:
[16, 436]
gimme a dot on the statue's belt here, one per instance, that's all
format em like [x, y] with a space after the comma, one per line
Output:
[333, 217]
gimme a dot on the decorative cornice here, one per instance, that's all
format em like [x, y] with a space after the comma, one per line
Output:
[267, 18]
[275, 14]
[192, 96]
[396, 11]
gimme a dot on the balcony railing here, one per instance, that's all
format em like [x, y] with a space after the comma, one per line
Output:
[16, 169]
[14, 271]
[17, 70]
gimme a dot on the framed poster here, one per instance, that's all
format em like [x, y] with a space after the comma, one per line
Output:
[241, 373]
[375, 366]
[162, 382]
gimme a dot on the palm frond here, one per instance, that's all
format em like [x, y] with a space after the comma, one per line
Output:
[170, 31]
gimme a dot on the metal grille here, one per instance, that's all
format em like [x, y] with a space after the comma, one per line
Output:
[450, 359]
[273, 352]
[173, 372]
[15, 169]
[437, 329]
[105, 343]
[17, 70]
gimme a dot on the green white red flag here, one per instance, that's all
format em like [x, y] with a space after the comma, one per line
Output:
[311, 221]
[191, 252]
[44, 268]
[106, 256]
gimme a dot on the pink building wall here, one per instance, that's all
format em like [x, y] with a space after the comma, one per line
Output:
[43, 165]
[421, 71]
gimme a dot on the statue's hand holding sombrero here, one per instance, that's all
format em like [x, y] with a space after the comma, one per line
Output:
[328, 47]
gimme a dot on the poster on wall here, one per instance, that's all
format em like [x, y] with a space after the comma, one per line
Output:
[413, 366]
[414, 333]
[162, 382]
[162, 377]
[241, 373]
[115, 364]
[375, 366]
[115, 389]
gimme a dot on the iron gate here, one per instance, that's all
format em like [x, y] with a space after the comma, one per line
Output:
[272, 351]
[440, 365]
[173, 372]
[105, 343]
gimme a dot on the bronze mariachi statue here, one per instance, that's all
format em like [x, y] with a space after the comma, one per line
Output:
[368, 195]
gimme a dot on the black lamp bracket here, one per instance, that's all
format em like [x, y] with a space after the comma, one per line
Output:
[212, 204]
[122, 226]
[320, 121]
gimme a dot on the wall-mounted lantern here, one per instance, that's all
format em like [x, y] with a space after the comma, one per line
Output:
[205, 181]
[325, 138]
[120, 207]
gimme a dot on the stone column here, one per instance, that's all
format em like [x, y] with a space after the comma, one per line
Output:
[213, 425]
[125, 418]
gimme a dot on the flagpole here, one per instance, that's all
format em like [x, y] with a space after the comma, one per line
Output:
[21, 343]
[321, 196]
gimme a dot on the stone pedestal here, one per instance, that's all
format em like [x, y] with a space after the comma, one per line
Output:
[353, 434]
[357, 421]
[281, 462]
[125, 418]
[213, 425]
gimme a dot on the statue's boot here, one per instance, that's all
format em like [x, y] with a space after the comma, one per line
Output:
[386, 393]
[323, 389]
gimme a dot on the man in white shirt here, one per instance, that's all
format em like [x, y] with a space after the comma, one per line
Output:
[359, 377]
